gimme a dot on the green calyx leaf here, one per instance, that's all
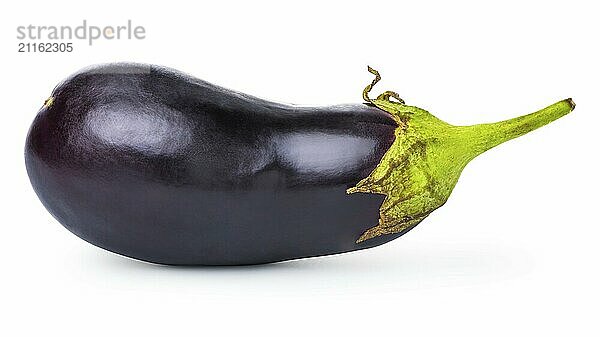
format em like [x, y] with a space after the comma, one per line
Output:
[419, 171]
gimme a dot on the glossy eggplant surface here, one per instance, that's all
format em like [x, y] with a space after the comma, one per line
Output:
[156, 165]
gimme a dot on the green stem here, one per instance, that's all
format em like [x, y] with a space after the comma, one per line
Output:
[485, 136]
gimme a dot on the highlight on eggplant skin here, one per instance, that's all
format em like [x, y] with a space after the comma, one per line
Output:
[157, 165]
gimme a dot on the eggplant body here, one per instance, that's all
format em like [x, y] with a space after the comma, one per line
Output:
[159, 166]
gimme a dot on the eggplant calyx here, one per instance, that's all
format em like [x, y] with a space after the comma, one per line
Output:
[420, 169]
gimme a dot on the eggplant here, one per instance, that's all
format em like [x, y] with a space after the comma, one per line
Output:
[159, 166]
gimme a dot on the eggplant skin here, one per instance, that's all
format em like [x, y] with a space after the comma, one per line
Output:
[159, 166]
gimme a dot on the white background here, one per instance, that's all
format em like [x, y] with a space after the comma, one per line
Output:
[513, 252]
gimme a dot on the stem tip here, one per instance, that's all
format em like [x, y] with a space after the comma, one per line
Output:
[571, 103]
